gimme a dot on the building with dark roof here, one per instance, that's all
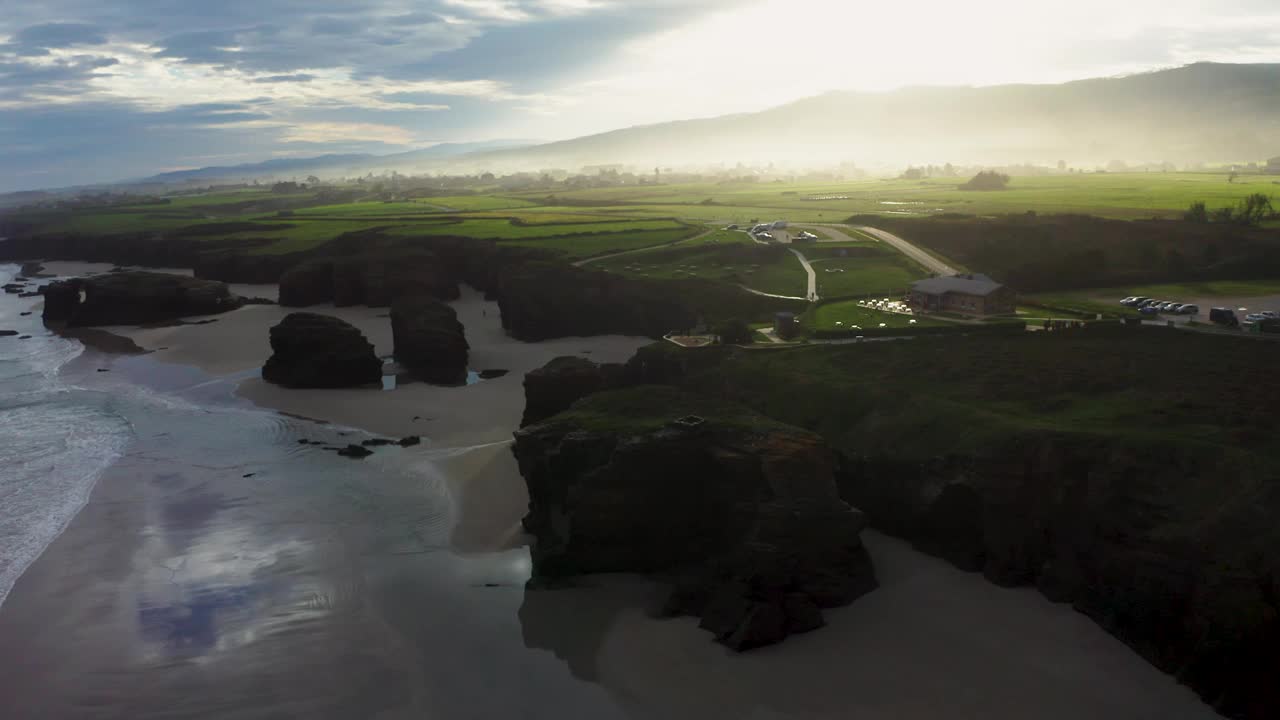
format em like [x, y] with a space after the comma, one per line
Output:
[969, 294]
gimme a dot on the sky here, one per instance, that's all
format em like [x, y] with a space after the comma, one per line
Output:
[93, 91]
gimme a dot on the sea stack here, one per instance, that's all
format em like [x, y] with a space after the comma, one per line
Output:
[429, 340]
[320, 351]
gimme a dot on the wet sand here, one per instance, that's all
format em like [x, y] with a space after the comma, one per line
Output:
[391, 588]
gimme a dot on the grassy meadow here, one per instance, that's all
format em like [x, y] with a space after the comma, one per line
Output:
[1112, 195]
[591, 222]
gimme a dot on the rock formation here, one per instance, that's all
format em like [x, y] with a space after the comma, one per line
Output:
[542, 300]
[320, 351]
[373, 279]
[429, 340]
[741, 510]
[552, 388]
[1145, 502]
[133, 298]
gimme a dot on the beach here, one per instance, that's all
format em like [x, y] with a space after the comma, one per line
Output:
[222, 569]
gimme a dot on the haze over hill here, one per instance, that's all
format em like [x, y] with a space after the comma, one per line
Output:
[1207, 112]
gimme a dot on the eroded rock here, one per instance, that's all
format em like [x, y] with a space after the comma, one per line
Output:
[320, 351]
[133, 298]
[429, 340]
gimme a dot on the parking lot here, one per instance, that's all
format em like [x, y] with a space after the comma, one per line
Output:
[1242, 306]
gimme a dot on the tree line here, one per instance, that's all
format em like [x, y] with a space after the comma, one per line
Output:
[1250, 212]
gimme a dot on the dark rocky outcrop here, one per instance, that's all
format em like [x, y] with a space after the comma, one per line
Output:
[429, 340]
[355, 452]
[743, 511]
[1162, 546]
[133, 298]
[32, 269]
[103, 341]
[8, 333]
[540, 301]
[1057, 460]
[320, 351]
[305, 284]
[376, 280]
[552, 388]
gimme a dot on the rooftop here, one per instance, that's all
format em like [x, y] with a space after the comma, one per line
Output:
[969, 284]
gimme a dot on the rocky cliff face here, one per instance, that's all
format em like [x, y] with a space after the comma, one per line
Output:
[744, 511]
[540, 301]
[429, 340]
[373, 280]
[133, 298]
[1148, 502]
[552, 388]
[1172, 551]
[320, 351]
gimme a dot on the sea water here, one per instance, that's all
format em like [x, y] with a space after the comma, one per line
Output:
[55, 438]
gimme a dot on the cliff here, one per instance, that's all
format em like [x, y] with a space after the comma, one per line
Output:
[743, 511]
[552, 388]
[376, 280]
[1145, 499]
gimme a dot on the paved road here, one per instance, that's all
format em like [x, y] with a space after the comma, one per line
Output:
[812, 294]
[598, 258]
[837, 234]
[930, 262]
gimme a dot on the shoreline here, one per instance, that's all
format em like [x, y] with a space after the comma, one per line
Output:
[205, 568]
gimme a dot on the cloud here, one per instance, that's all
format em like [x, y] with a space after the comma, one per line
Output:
[59, 35]
[295, 77]
[268, 76]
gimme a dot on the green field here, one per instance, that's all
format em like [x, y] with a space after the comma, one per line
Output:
[1115, 195]
[588, 222]
[584, 246]
[768, 270]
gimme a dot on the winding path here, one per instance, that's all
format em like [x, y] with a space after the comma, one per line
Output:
[812, 294]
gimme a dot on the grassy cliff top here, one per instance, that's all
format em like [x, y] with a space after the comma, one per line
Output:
[651, 407]
[928, 397]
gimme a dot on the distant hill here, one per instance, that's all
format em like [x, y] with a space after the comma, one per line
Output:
[331, 164]
[1207, 112]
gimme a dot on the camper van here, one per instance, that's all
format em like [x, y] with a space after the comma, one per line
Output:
[1223, 316]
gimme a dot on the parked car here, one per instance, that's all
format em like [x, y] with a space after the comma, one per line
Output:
[1223, 316]
[732, 227]
[1129, 300]
[1149, 310]
[1260, 316]
[1149, 303]
[1137, 300]
[1170, 307]
[1188, 309]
